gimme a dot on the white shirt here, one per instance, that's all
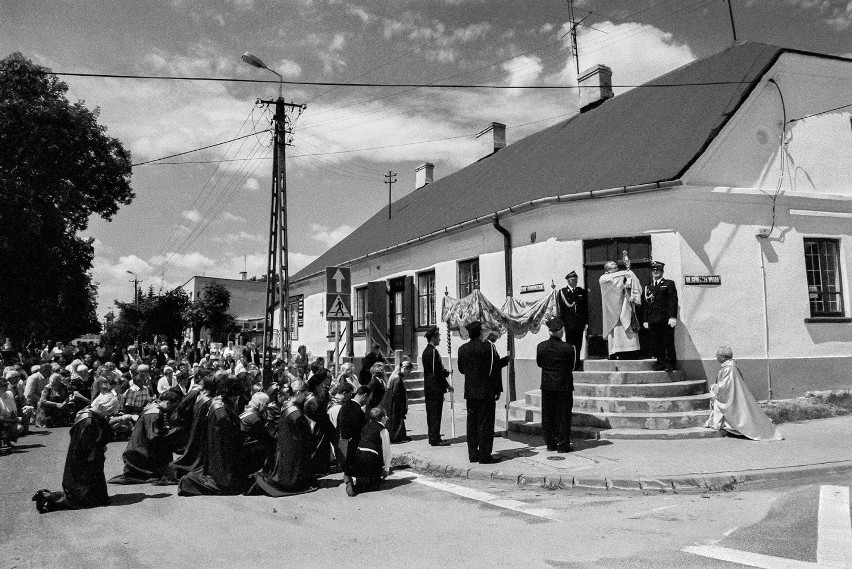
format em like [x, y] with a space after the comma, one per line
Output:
[164, 385]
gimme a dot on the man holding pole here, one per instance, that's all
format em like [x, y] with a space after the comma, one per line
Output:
[482, 388]
[434, 386]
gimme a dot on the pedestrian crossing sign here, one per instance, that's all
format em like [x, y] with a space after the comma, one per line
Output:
[337, 307]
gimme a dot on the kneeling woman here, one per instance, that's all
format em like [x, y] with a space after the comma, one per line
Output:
[83, 481]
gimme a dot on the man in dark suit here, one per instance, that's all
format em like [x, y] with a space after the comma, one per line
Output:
[556, 360]
[574, 312]
[434, 386]
[476, 360]
[661, 316]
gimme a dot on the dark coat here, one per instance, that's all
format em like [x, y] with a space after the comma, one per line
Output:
[475, 358]
[497, 365]
[83, 481]
[661, 301]
[288, 471]
[148, 452]
[369, 360]
[434, 374]
[556, 360]
[573, 308]
[222, 469]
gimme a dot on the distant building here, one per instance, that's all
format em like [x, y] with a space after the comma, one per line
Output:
[734, 170]
[248, 305]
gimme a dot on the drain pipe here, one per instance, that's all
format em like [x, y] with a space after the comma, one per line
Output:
[510, 340]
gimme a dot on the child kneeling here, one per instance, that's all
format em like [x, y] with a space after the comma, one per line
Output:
[372, 461]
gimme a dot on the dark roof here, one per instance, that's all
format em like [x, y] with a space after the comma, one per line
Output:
[646, 135]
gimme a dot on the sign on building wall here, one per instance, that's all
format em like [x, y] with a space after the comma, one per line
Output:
[702, 280]
[532, 288]
[338, 293]
[297, 305]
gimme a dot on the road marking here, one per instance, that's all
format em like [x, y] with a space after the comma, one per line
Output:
[651, 511]
[752, 559]
[834, 540]
[480, 496]
[730, 531]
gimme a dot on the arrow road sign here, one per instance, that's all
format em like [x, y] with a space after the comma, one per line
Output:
[338, 280]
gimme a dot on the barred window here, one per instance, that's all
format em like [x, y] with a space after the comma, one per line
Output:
[426, 299]
[468, 277]
[822, 264]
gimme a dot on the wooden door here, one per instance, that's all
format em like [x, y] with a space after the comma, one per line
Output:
[377, 304]
[396, 303]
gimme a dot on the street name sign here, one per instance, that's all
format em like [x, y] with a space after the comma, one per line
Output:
[338, 293]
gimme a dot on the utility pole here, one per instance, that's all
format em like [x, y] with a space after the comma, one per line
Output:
[731, 14]
[278, 262]
[574, 24]
[390, 181]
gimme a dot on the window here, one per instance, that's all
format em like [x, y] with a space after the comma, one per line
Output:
[359, 320]
[293, 318]
[822, 264]
[426, 299]
[468, 277]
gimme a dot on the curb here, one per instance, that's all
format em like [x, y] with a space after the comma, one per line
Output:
[726, 481]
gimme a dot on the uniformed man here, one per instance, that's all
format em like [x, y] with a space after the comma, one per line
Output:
[574, 312]
[434, 386]
[661, 316]
[556, 360]
[475, 362]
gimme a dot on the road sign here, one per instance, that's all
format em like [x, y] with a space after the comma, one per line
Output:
[338, 297]
[338, 280]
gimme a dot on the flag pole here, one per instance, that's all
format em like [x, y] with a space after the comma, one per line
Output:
[450, 363]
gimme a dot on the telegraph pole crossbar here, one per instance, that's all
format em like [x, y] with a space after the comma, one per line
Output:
[390, 180]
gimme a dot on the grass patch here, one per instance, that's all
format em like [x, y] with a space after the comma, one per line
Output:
[814, 405]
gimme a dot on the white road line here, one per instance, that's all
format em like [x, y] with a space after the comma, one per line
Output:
[752, 559]
[480, 496]
[653, 510]
[834, 540]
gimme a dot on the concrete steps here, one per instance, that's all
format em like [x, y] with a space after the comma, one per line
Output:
[624, 399]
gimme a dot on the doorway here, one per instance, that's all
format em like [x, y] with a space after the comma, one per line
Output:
[595, 255]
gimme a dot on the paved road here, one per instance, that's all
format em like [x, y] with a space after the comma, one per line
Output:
[415, 521]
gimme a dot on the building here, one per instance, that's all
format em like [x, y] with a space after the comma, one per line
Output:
[734, 170]
[248, 304]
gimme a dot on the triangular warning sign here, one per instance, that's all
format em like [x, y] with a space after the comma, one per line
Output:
[338, 309]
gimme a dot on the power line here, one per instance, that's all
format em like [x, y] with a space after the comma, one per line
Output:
[197, 149]
[382, 85]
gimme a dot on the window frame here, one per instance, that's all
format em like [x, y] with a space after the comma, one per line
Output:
[818, 292]
[359, 313]
[471, 285]
[432, 317]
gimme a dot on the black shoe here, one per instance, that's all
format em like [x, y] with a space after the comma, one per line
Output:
[491, 460]
[350, 488]
[406, 440]
[659, 367]
[440, 444]
[551, 448]
[563, 450]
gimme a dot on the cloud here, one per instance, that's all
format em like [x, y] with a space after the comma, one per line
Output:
[241, 237]
[194, 261]
[330, 236]
[191, 215]
[228, 216]
[523, 70]
[289, 69]
[841, 18]
[101, 248]
[359, 13]
[251, 185]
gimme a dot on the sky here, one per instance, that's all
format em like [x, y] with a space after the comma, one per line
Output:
[207, 212]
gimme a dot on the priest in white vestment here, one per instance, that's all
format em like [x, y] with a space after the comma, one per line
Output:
[734, 407]
[621, 291]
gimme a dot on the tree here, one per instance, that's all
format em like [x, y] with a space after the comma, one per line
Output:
[159, 314]
[210, 311]
[57, 168]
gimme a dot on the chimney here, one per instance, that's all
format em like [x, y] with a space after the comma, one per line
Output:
[423, 175]
[491, 144]
[595, 87]
[244, 274]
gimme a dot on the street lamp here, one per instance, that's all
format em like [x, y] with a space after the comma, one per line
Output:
[255, 61]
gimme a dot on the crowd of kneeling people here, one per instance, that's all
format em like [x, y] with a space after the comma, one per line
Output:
[212, 431]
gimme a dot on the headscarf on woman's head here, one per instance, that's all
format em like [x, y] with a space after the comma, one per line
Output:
[259, 401]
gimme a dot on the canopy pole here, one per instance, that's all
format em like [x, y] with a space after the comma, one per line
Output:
[450, 364]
